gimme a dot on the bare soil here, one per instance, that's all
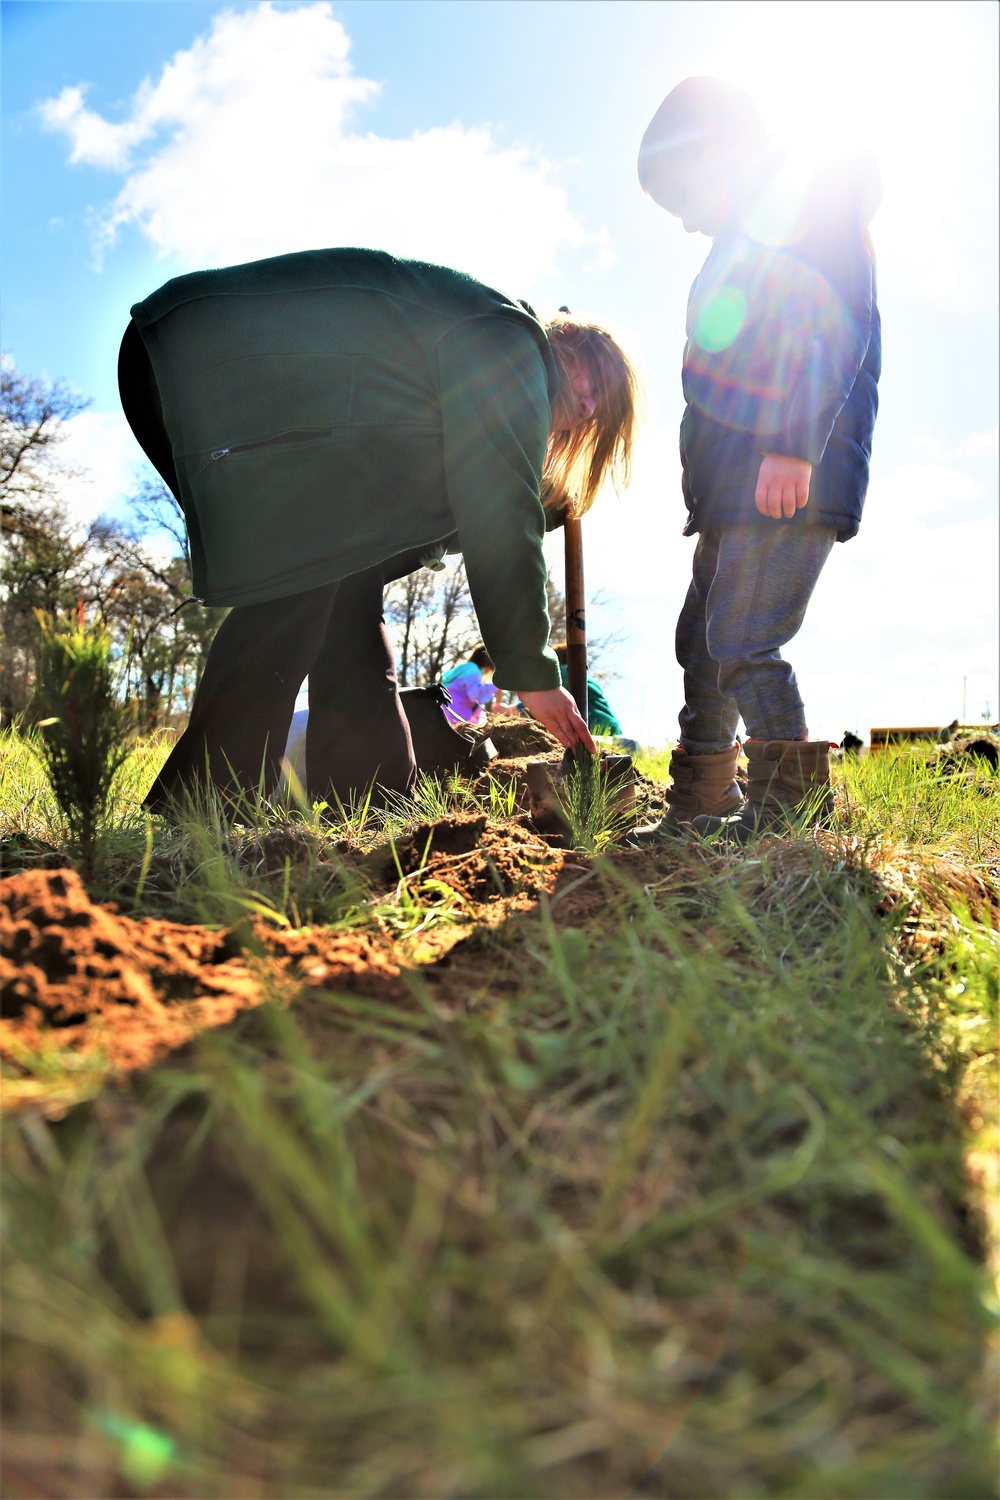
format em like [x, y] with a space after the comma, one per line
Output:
[127, 990]
[84, 979]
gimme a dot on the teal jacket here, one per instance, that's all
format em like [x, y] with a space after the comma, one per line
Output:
[600, 719]
[333, 410]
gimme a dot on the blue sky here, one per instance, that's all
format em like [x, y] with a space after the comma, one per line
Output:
[145, 139]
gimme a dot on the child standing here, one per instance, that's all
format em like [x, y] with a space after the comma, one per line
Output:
[780, 376]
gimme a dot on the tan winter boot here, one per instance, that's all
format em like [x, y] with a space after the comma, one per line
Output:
[788, 782]
[700, 785]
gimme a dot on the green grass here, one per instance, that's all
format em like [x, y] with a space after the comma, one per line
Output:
[658, 1196]
[904, 797]
[654, 763]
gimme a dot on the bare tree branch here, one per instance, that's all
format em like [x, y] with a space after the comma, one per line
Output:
[32, 417]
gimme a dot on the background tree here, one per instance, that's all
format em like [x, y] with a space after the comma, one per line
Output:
[145, 597]
[132, 575]
[433, 622]
[44, 558]
[33, 415]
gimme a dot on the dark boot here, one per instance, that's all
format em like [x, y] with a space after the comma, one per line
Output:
[788, 784]
[700, 785]
[440, 748]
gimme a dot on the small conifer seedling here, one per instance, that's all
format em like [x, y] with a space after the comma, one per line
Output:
[84, 726]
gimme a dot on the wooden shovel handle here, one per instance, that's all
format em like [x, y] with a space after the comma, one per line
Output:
[576, 617]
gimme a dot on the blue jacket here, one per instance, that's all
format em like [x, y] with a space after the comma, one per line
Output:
[784, 344]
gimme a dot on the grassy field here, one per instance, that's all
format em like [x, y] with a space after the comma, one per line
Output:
[673, 1182]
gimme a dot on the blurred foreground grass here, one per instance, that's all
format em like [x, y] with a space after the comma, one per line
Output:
[670, 1203]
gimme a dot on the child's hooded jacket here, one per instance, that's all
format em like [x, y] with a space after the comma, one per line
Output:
[783, 352]
[333, 410]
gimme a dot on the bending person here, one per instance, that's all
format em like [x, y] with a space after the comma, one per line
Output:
[470, 687]
[330, 420]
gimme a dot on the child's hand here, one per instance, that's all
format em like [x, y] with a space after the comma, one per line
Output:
[556, 709]
[782, 485]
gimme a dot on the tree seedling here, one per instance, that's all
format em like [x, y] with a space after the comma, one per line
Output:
[84, 726]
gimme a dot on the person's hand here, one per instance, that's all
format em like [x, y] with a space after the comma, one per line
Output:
[782, 485]
[557, 710]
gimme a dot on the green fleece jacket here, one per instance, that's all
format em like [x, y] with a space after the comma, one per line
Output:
[331, 410]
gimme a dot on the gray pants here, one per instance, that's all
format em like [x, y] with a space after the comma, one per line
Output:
[748, 596]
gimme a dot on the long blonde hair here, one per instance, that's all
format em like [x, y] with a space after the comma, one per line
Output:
[578, 462]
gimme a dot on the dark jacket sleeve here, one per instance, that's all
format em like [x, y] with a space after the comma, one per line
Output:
[495, 422]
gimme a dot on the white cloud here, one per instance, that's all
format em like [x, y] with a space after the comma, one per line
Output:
[906, 610]
[244, 148]
[918, 489]
[100, 463]
[96, 141]
[981, 445]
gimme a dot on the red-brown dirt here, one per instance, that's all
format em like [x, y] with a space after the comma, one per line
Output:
[131, 990]
[83, 978]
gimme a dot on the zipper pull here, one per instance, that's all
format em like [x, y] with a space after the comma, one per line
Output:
[191, 599]
[213, 458]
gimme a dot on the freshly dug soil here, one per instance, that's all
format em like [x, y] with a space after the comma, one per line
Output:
[516, 737]
[479, 860]
[131, 989]
[85, 979]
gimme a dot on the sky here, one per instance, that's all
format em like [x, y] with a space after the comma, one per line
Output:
[146, 138]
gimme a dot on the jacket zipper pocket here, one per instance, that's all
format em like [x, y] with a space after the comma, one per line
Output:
[309, 436]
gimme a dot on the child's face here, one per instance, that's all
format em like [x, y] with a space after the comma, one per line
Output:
[699, 196]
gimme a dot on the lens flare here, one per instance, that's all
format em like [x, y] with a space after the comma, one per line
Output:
[721, 319]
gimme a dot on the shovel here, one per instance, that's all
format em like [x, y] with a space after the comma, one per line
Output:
[544, 780]
[576, 616]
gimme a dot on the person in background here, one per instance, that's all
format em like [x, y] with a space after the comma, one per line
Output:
[780, 378]
[470, 687]
[600, 719]
[330, 420]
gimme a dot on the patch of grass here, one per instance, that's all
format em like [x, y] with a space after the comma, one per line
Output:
[903, 796]
[26, 799]
[654, 763]
[662, 1194]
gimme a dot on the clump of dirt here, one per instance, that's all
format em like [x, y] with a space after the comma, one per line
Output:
[928, 890]
[269, 849]
[518, 742]
[125, 991]
[515, 737]
[482, 861]
[976, 754]
[22, 851]
[133, 989]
